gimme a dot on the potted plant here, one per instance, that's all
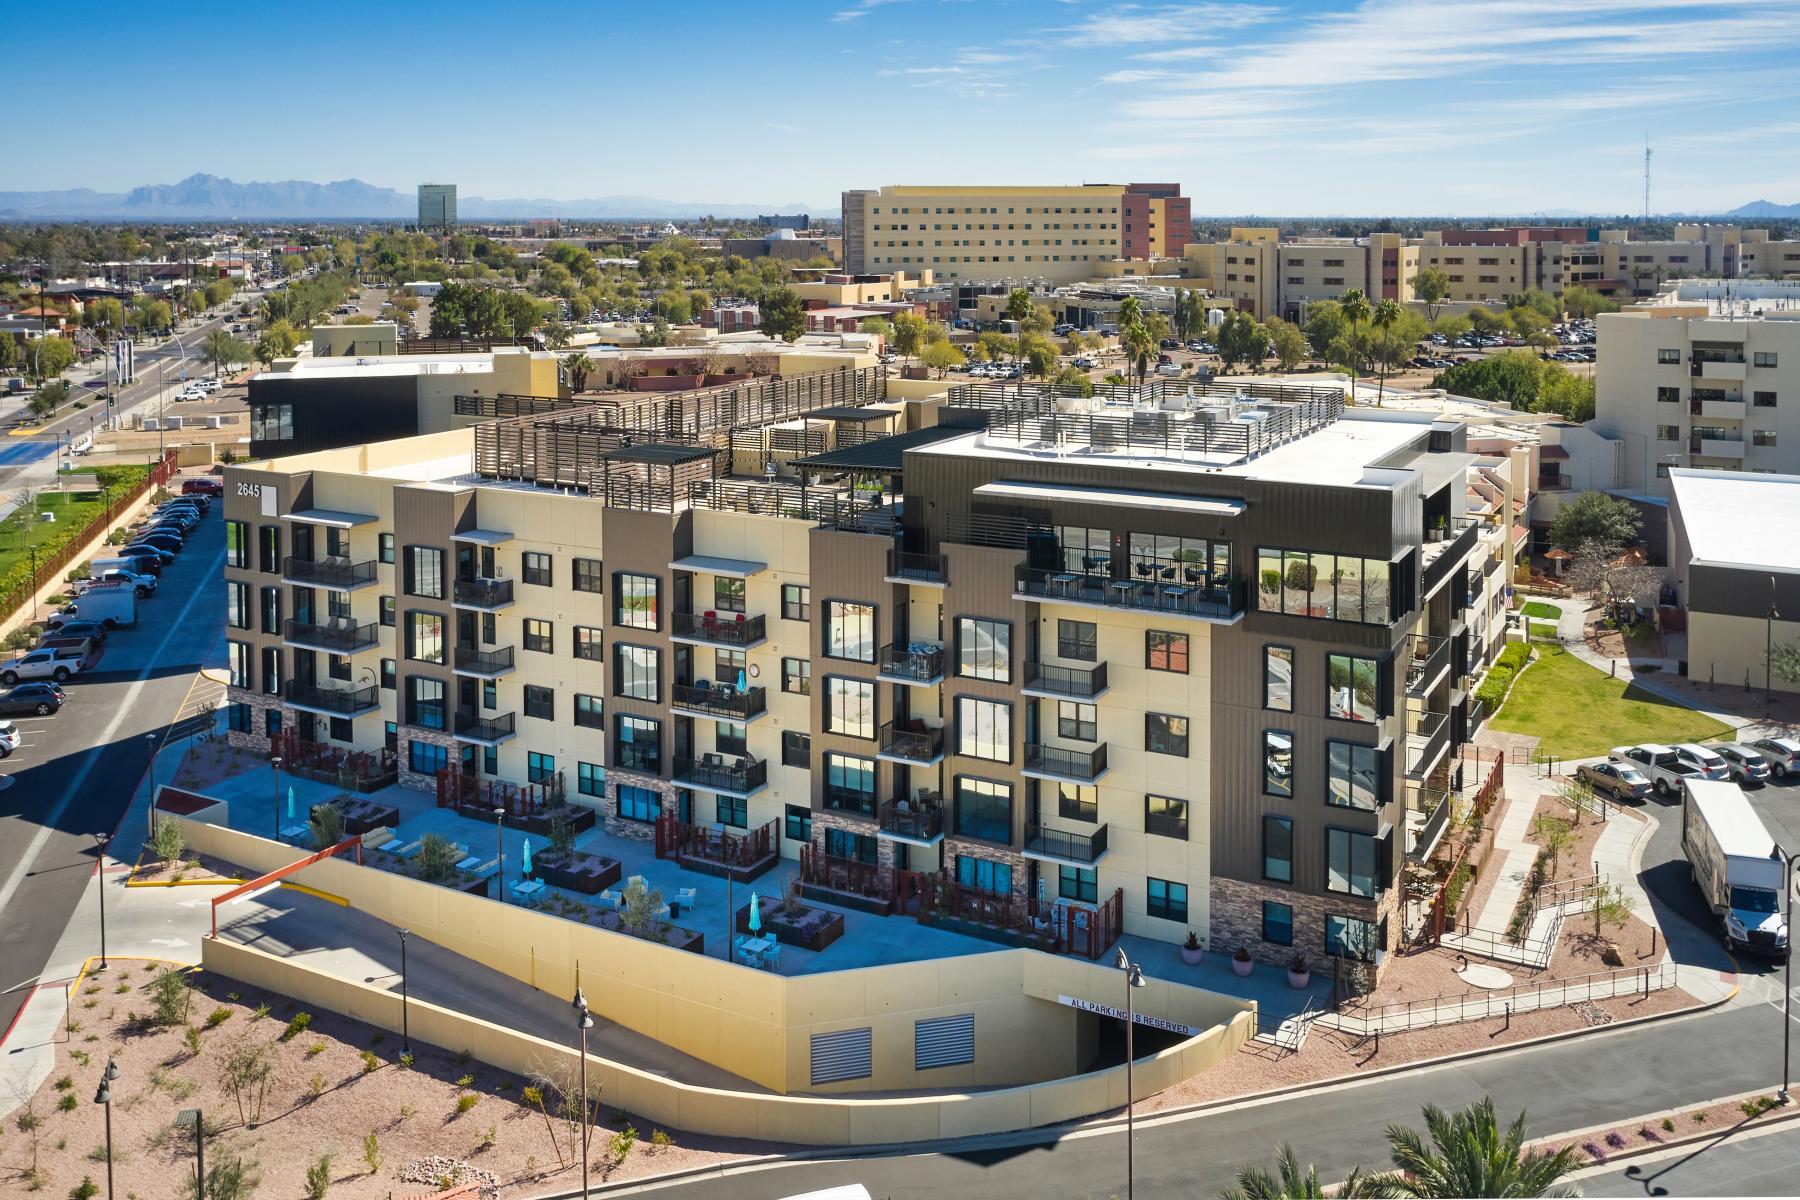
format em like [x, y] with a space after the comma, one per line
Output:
[1191, 953]
[1240, 962]
[1298, 973]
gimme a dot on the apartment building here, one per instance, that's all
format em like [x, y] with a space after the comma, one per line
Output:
[1707, 376]
[1168, 660]
[1054, 234]
[1268, 277]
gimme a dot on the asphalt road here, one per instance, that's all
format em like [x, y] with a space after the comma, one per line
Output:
[77, 769]
[1740, 1163]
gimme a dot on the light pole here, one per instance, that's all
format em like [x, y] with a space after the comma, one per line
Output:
[276, 764]
[1769, 648]
[103, 1096]
[150, 821]
[584, 1022]
[1787, 983]
[500, 853]
[100, 840]
[196, 1118]
[405, 1029]
[1134, 978]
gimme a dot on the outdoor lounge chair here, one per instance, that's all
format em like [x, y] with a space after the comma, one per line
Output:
[610, 898]
[686, 897]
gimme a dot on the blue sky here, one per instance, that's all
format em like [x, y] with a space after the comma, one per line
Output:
[1386, 106]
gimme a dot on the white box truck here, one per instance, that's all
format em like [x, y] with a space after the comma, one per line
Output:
[1735, 865]
[110, 603]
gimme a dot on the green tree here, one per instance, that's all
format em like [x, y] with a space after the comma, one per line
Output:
[46, 399]
[992, 346]
[1326, 326]
[1241, 340]
[1596, 519]
[941, 356]
[783, 314]
[9, 352]
[1469, 1155]
[1072, 381]
[1387, 314]
[1586, 303]
[1485, 320]
[222, 350]
[1450, 325]
[1139, 344]
[48, 356]
[1356, 311]
[579, 367]
[1287, 343]
[1039, 355]
[1018, 309]
[878, 326]
[1290, 1182]
[1430, 286]
[104, 313]
[909, 334]
[673, 307]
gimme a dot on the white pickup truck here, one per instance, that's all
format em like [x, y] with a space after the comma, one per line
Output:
[39, 664]
[1663, 766]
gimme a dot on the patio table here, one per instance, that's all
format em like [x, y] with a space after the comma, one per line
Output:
[292, 831]
[468, 862]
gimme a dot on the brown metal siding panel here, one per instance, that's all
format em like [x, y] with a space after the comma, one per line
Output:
[1741, 593]
[645, 543]
[981, 585]
[850, 566]
[426, 517]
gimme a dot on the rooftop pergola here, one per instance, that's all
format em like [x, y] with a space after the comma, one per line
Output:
[654, 476]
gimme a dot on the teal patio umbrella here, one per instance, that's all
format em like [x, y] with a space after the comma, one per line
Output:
[525, 858]
[755, 914]
[290, 809]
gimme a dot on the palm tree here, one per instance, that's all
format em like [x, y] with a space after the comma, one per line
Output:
[1470, 1156]
[1139, 344]
[1290, 1183]
[579, 366]
[1018, 310]
[1386, 314]
[1355, 306]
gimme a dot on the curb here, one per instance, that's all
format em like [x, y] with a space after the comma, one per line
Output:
[1632, 1153]
[1648, 1118]
[167, 883]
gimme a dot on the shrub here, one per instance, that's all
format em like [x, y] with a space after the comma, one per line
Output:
[318, 1178]
[316, 1085]
[369, 1061]
[170, 997]
[1758, 1105]
[316, 1048]
[466, 1101]
[660, 1141]
[65, 1083]
[217, 1017]
[437, 859]
[66, 1103]
[191, 1035]
[621, 1144]
[296, 1025]
[372, 1152]
[85, 1190]
[167, 839]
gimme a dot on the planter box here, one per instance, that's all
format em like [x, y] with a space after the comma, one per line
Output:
[880, 906]
[812, 929]
[584, 873]
[990, 933]
[679, 938]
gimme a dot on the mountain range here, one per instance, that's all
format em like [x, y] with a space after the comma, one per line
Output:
[214, 198]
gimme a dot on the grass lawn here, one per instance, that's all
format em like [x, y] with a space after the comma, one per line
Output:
[1543, 629]
[1545, 612]
[22, 530]
[1578, 711]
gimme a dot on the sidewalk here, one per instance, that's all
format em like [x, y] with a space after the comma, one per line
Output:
[1572, 629]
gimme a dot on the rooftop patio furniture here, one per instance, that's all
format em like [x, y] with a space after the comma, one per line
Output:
[687, 897]
[289, 832]
[609, 898]
[407, 851]
[468, 862]
[378, 837]
[772, 956]
[528, 889]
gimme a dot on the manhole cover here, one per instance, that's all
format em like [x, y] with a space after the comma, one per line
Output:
[1483, 976]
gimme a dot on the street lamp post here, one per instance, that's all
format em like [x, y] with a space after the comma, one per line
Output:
[1134, 978]
[1787, 983]
[196, 1118]
[100, 840]
[584, 1022]
[405, 1029]
[1769, 649]
[500, 854]
[103, 1096]
[276, 763]
[150, 821]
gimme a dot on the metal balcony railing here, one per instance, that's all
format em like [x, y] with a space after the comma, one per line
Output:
[337, 574]
[914, 745]
[341, 702]
[1427, 737]
[343, 638]
[1080, 683]
[1209, 602]
[917, 822]
[912, 664]
[482, 593]
[1071, 847]
[842, 799]
[722, 700]
[718, 773]
[722, 629]
[470, 661]
[1082, 765]
[473, 727]
[922, 568]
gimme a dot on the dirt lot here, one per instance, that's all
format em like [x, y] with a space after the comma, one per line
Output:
[335, 1087]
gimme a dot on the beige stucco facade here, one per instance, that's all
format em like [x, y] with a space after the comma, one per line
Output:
[1053, 233]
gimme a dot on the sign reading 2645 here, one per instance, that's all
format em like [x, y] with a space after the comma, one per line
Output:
[249, 489]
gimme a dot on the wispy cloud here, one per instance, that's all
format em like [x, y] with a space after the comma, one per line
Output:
[863, 8]
[1132, 24]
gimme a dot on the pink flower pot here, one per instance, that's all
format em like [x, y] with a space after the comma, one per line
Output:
[1192, 957]
[1241, 966]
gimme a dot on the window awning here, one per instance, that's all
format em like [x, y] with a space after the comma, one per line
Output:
[1114, 498]
[482, 537]
[735, 568]
[331, 518]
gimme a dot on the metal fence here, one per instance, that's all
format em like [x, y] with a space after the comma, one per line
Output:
[1479, 1005]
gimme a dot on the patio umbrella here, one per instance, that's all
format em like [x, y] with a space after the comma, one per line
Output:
[525, 857]
[290, 808]
[742, 682]
[755, 915]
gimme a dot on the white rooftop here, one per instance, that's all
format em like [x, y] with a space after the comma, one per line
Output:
[1740, 519]
[372, 366]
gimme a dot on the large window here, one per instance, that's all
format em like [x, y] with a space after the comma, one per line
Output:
[588, 575]
[1196, 562]
[984, 649]
[984, 809]
[637, 672]
[535, 568]
[731, 810]
[425, 758]
[1349, 937]
[590, 779]
[637, 601]
[797, 823]
[856, 847]
[1077, 883]
[1278, 678]
[1165, 734]
[796, 748]
[271, 670]
[538, 635]
[1334, 587]
[850, 706]
[268, 548]
[728, 594]
[425, 702]
[1078, 802]
[540, 702]
[639, 803]
[590, 712]
[1278, 762]
[1277, 923]
[637, 744]
[237, 604]
[796, 676]
[850, 783]
[1349, 862]
[237, 656]
[1166, 816]
[1076, 721]
[424, 637]
[1079, 640]
[796, 602]
[1353, 688]
[1166, 899]
[384, 548]
[849, 631]
[984, 729]
[270, 602]
[1353, 775]
[1278, 849]
[539, 767]
[424, 575]
[272, 422]
[1084, 551]
[984, 875]
[237, 544]
[1165, 651]
[588, 643]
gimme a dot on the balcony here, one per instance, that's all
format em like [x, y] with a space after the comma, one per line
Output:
[1553, 483]
[1057, 764]
[722, 774]
[331, 701]
[1221, 604]
[1723, 366]
[918, 665]
[336, 574]
[1428, 665]
[1718, 409]
[1427, 816]
[1440, 559]
[1427, 739]
[910, 821]
[1055, 846]
[1049, 682]
[919, 746]
[930, 570]
[718, 702]
[341, 637]
[1717, 446]
[483, 731]
[848, 800]
[734, 630]
[483, 595]
[483, 664]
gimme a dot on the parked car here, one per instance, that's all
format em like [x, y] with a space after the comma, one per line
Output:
[1782, 755]
[1746, 765]
[40, 699]
[37, 664]
[1619, 780]
[1659, 764]
[1709, 764]
[170, 542]
[202, 487]
[67, 624]
[142, 586]
[162, 556]
[9, 738]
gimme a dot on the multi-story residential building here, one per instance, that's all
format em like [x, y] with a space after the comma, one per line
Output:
[1165, 661]
[1049, 233]
[437, 206]
[1706, 376]
[1269, 277]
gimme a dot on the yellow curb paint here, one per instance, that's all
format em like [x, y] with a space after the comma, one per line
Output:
[24, 432]
[316, 893]
[148, 883]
